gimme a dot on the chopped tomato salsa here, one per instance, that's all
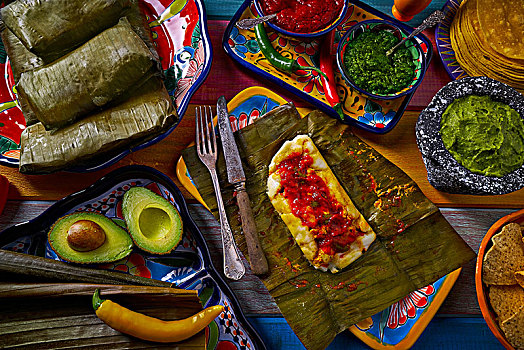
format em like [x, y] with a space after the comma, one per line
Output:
[313, 204]
[303, 16]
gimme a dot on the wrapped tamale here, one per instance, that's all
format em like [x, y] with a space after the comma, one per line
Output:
[24, 59]
[102, 70]
[52, 28]
[147, 114]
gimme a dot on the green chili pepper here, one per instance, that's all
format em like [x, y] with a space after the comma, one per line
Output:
[275, 58]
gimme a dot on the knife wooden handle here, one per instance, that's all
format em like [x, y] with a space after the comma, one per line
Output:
[257, 259]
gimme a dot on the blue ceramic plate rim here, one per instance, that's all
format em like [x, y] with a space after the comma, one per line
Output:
[341, 67]
[449, 10]
[327, 29]
[322, 106]
[61, 207]
[208, 54]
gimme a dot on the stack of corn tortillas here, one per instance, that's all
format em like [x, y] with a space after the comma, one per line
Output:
[488, 40]
[503, 272]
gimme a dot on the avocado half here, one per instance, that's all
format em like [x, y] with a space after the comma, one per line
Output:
[154, 224]
[116, 245]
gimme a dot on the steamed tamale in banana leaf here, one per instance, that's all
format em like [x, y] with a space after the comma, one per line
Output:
[415, 245]
[88, 78]
[49, 28]
[145, 115]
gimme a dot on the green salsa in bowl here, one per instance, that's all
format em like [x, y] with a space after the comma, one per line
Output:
[364, 65]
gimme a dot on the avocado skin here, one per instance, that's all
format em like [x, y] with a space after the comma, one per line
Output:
[164, 224]
[117, 245]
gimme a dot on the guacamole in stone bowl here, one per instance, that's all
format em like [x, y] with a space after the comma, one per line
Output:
[471, 137]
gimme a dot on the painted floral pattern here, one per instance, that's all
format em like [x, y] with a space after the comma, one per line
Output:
[406, 308]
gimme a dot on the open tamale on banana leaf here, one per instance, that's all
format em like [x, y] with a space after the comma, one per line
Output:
[101, 71]
[414, 246]
[148, 113]
[52, 28]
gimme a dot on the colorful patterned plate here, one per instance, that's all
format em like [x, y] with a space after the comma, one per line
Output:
[400, 325]
[180, 31]
[377, 116]
[188, 267]
[445, 51]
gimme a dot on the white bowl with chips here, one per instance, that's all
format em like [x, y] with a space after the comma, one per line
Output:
[482, 289]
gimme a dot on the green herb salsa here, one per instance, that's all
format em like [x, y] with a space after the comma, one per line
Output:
[483, 135]
[369, 67]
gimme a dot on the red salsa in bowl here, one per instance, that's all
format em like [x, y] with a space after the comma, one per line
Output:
[303, 17]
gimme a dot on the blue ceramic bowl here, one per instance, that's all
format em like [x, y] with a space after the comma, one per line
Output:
[418, 56]
[322, 31]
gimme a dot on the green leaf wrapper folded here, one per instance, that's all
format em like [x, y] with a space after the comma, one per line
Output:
[415, 245]
[23, 60]
[50, 28]
[116, 61]
[145, 115]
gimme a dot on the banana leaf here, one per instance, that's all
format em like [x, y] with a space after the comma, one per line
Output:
[52, 28]
[415, 245]
[45, 315]
[64, 91]
[147, 114]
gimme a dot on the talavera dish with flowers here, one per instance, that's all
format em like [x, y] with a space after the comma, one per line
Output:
[189, 266]
[180, 33]
[398, 326]
[374, 115]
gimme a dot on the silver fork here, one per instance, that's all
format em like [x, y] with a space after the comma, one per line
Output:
[207, 152]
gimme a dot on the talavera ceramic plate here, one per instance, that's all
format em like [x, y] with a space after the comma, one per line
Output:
[443, 41]
[189, 266]
[398, 326]
[374, 115]
[180, 32]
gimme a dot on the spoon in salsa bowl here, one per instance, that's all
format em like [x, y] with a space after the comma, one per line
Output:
[249, 23]
[432, 20]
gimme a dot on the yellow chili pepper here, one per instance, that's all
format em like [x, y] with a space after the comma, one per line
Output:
[149, 328]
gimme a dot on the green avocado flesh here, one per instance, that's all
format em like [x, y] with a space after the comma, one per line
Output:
[153, 223]
[117, 244]
[483, 135]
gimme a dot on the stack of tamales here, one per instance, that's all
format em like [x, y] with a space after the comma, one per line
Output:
[88, 80]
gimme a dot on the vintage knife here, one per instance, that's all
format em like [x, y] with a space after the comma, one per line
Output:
[236, 177]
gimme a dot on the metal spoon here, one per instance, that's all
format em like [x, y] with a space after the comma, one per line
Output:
[249, 23]
[433, 19]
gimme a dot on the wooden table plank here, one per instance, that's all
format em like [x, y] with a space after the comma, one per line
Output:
[398, 146]
[471, 224]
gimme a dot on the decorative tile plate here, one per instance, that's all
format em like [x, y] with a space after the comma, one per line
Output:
[400, 325]
[180, 32]
[188, 267]
[446, 52]
[378, 116]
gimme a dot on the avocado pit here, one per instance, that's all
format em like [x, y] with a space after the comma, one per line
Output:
[85, 235]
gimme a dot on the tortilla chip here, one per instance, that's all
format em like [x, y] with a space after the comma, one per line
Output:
[505, 257]
[519, 277]
[506, 300]
[513, 328]
[502, 22]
